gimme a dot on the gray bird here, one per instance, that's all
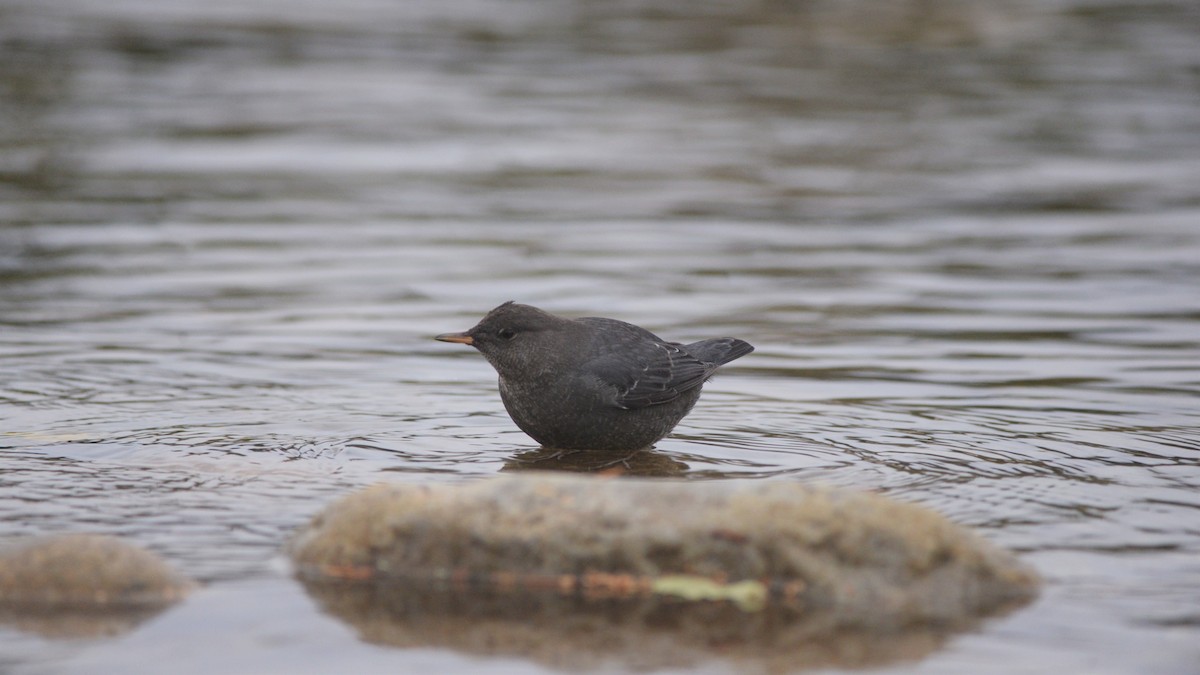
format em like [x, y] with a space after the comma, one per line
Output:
[593, 383]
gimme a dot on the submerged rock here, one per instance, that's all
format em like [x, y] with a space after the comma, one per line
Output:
[844, 559]
[84, 585]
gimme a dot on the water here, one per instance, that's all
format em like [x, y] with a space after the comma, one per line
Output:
[965, 242]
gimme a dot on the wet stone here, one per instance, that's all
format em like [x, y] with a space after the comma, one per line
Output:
[86, 570]
[847, 559]
[84, 585]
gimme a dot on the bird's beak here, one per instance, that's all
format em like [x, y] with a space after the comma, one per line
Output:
[462, 338]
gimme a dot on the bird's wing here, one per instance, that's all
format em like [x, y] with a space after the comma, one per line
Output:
[649, 373]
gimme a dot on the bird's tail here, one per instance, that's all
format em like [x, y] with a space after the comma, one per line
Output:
[719, 351]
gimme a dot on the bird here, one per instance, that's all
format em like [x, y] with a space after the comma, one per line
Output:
[593, 383]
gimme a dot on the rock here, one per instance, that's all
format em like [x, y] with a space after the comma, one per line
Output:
[852, 559]
[79, 585]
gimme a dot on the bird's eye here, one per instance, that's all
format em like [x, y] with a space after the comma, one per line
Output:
[506, 333]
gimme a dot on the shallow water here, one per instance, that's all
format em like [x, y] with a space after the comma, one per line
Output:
[966, 247]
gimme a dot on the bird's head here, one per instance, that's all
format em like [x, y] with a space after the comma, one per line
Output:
[518, 340]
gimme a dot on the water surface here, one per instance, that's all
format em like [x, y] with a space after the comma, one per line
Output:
[966, 247]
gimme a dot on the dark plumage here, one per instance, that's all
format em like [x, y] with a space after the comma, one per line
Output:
[593, 383]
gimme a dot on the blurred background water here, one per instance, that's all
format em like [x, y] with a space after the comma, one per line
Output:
[964, 237]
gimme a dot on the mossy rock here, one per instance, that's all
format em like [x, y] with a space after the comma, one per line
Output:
[857, 559]
[86, 570]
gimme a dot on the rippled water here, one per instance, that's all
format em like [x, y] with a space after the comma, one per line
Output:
[965, 242]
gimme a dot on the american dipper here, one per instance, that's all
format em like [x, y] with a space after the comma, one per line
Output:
[593, 383]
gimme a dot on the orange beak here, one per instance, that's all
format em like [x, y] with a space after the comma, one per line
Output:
[461, 338]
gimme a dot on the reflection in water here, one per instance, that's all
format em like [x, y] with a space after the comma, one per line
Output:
[77, 622]
[574, 634]
[624, 463]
